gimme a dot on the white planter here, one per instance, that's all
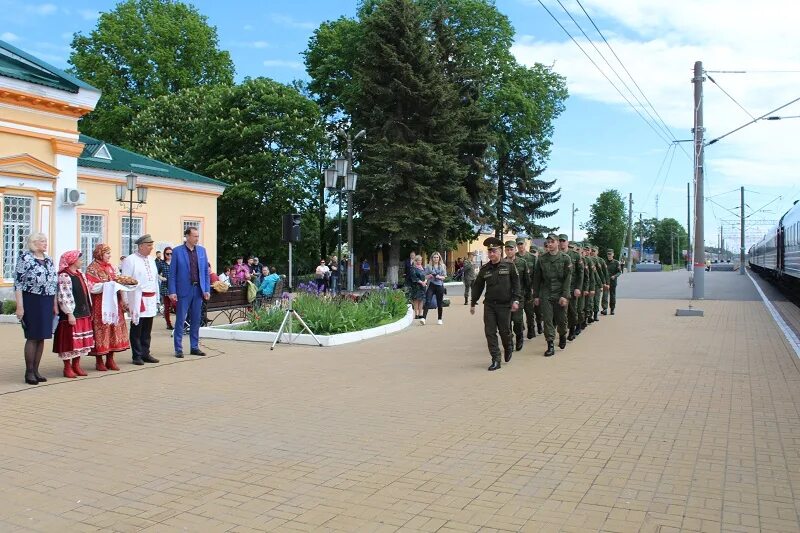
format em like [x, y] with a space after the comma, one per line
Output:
[233, 332]
[9, 319]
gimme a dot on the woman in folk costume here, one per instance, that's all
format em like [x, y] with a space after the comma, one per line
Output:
[73, 337]
[108, 309]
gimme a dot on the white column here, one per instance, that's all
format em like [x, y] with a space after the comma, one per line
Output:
[66, 216]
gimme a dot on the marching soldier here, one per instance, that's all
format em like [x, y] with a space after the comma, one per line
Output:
[551, 286]
[517, 320]
[528, 305]
[584, 290]
[602, 275]
[537, 310]
[503, 295]
[468, 276]
[575, 285]
[614, 271]
[593, 285]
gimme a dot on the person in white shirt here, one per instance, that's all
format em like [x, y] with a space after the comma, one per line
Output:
[321, 276]
[225, 277]
[143, 301]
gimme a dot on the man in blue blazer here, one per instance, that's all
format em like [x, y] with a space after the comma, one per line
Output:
[188, 285]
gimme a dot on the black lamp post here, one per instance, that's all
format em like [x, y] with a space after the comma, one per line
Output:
[141, 198]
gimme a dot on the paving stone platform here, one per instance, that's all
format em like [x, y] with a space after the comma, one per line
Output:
[647, 422]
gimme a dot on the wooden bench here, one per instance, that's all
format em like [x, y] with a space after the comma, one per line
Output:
[231, 304]
[262, 301]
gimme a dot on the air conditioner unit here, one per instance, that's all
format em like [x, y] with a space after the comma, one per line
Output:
[74, 197]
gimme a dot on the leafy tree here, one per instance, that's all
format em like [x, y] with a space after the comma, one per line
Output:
[141, 50]
[411, 185]
[645, 231]
[670, 238]
[607, 224]
[527, 103]
[262, 138]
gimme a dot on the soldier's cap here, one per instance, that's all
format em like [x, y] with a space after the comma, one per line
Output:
[493, 242]
[609, 251]
[552, 237]
[563, 237]
[510, 244]
[595, 249]
[520, 240]
[144, 239]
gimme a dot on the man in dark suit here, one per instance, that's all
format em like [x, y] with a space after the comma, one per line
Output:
[189, 284]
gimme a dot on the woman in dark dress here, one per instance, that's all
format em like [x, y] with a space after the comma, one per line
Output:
[35, 283]
[419, 285]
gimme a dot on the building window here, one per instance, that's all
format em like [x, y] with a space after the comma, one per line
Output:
[193, 224]
[131, 230]
[17, 222]
[91, 235]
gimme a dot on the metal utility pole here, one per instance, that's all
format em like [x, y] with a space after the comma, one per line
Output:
[672, 250]
[699, 256]
[741, 236]
[630, 232]
[641, 239]
[572, 235]
[656, 207]
[688, 224]
[721, 245]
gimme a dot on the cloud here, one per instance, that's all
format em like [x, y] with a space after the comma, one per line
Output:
[250, 44]
[42, 9]
[248, 27]
[296, 65]
[89, 14]
[289, 22]
[9, 37]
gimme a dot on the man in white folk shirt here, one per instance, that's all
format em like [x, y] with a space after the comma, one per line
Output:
[142, 301]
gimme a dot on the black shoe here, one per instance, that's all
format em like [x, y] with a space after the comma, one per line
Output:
[170, 328]
[197, 351]
[494, 366]
[40, 378]
[596, 318]
[138, 362]
[612, 311]
[30, 378]
[531, 333]
[179, 355]
[578, 330]
[149, 359]
[550, 350]
[539, 329]
[508, 355]
[604, 312]
[571, 336]
[589, 320]
[562, 341]
[518, 347]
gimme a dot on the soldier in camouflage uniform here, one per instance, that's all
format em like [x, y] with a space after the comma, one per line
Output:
[517, 318]
[593, 284]
[503, 295]
[551, 286]
[537, 309]
[576, 283]
[468, 276]
[614, 271]
[601, 274]
[581, 300]
[528, 304]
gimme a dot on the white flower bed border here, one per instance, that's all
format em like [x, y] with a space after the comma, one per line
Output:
[233, 332]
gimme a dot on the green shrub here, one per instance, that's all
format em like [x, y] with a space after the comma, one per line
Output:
[9, 307]
[327, 315]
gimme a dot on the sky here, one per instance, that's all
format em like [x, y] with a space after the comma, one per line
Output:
[600, 141]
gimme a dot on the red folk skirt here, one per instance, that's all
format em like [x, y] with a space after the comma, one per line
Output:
[108, 338]
[73, 341]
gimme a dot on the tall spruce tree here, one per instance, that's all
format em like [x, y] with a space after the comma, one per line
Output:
[412, 184]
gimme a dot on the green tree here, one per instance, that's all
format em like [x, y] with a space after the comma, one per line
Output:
[411, 185]
[141, 50]
[670, 238]
[526, 105]
[645, 231]
[607, 224]
[262, 138]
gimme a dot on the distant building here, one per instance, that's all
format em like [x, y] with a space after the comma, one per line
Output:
[55, 180]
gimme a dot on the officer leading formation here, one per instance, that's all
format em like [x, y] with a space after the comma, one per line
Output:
[560, 289]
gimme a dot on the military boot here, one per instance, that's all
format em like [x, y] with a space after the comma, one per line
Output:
[495, 365]
[571, 336]
[562, 341]
[519, 341]
[612, 310]
[604, 312]
[508, 354]
[578, 328]
[465, 301]
[539, 328]
[596, 318]
[532, 332]
[550, 350]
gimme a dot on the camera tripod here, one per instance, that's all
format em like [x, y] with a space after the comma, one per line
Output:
[287, 319]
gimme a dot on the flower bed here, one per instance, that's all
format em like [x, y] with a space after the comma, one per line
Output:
[331, 315]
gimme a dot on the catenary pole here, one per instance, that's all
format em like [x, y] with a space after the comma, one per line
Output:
[641, 239]
[688, 224]
[630, 232]
[741, 231]
[698, 285]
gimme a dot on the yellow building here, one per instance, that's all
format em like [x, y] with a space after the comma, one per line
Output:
[67, 185]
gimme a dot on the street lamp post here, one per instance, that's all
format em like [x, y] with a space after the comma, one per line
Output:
[574, 210]
[332, 183]
[344, 167]
[141, 198]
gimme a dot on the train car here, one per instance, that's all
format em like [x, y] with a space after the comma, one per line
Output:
[777, 255]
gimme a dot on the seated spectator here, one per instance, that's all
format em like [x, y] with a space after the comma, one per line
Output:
[212, 275]
[263, 273]
[225, 277]
[241, 272]
[267, 286]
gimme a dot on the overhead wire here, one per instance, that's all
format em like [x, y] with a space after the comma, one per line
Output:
[709, 143]
[666, 174]
[729, 96]
[658, 174]
[656, 131]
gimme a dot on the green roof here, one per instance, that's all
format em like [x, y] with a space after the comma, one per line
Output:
[126, 161]
[14, 63]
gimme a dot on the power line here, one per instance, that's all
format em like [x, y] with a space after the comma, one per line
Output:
[658, 174]
[709, 143]
[601, 72]
[729, 96]
[666, 174]
[753, 71]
